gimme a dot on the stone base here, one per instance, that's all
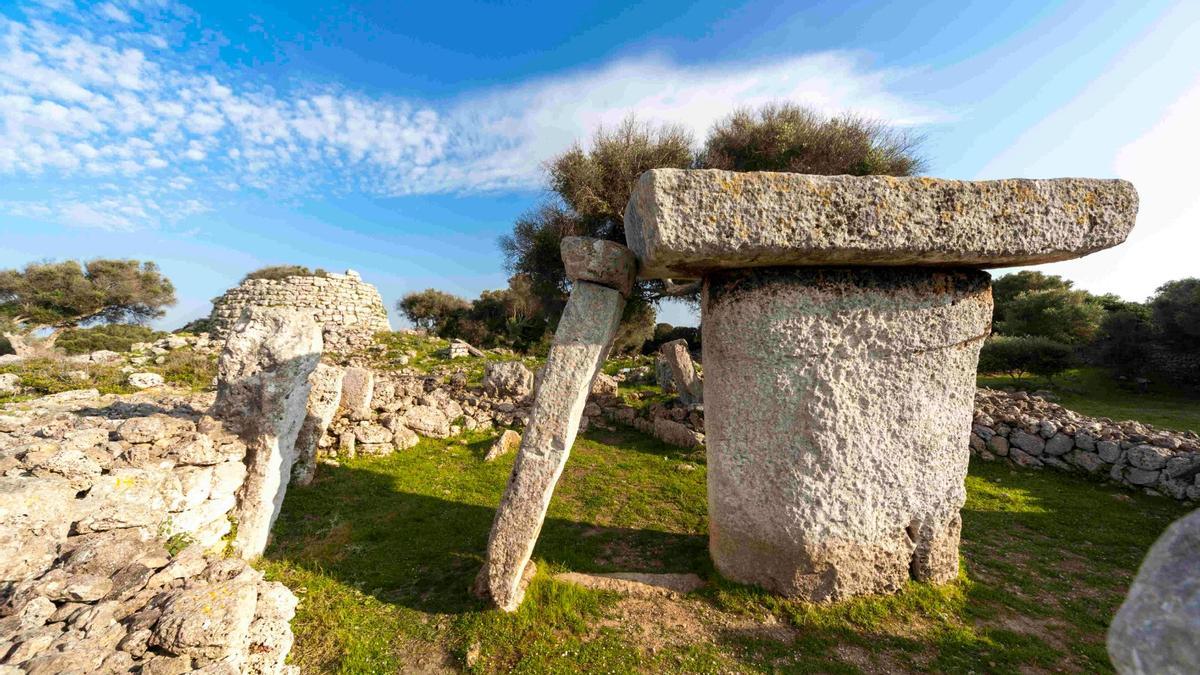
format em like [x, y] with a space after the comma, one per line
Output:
[838, 412]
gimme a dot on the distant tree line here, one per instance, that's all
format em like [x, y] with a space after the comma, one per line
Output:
[1044, 326]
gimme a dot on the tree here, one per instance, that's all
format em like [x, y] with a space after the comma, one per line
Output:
[1125, 338]
[283, 272]
[1046, 305]
[1005, 289]
[431, 309]
[65, 295]
[1016, 355]
[789, 137]
[1176, 310]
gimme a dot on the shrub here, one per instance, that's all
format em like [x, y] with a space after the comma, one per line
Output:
[1176, 309]
[1013, 356]
[188, 368]
[283, 272]
[1124, 341]
[116, 337]
[197, 326]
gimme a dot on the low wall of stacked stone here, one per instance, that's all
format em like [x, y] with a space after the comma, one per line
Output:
[113, 513]
[351, 310]
[1031, 432]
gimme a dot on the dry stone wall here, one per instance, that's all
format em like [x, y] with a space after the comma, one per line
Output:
[351, 310]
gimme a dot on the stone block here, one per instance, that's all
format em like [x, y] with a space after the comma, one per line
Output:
[599, 261]
[687, 223]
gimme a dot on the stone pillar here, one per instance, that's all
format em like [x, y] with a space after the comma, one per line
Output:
[262, 392]
[683, 372]
[838, 410]
[581, 343]
[839, 377]
[325, 393]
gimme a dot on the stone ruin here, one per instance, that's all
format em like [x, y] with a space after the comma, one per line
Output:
[842, 320]
[350, 310]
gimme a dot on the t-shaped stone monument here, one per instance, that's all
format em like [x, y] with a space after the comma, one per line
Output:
[842, 319]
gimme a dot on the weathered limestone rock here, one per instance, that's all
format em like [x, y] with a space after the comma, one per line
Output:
[809, 372]
[324, 396]
[507, 379]
[263, 391]
[581, 344]
[683, 371]
[358, 390]
[662, 375]
[686, 223]
[145, 380]
[1155, 629]
[10, 383]
[35, 516]
[599, 261]
[507, 442]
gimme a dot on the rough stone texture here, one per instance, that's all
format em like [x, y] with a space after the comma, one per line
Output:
[35, 515]
[663, 377]
[324, 396]
[507, 442]
[358, 392]
[640, 585]
[810, 373]
[683, 372]
[350, 310]
[684, 223]
[599, 261]
[581, 344]
[1154, 460]
[263, 388]
[507, 379]
[10, 383]
[1155, 630]
[145, 380]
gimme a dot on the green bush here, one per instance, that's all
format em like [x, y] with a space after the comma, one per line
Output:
[284, 271]
[1014, 356]
[188, 368]
[1176, 307]
[1125, 340]
[116, 337]
[197, 326]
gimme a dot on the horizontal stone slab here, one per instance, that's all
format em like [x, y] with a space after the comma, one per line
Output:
[684, 223]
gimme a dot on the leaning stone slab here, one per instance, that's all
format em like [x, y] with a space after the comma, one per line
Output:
[1156, 629]
[636, 584]
[683, 223]
[838, 409]
[599, 261]
[323, 398]
[581, 344]
[262, 391]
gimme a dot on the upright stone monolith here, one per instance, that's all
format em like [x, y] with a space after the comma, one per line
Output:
[581, 343]
[842, 319]
[262, 393]
[683, 372]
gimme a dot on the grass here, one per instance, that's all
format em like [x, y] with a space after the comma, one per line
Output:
[427, 355]
[1092, 391]
[383, 551]
[43, 376]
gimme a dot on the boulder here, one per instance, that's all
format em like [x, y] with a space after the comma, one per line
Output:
[10, 384]
[145, 380]
[604, 386]
[207, 621]
[358, 391]
[324, 397]
[507, 442]
[35, 517]
[683, 371]
[427, 421]
[1155, 629]
[507, 379]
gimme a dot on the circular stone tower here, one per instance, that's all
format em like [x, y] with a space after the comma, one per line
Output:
[351, 310]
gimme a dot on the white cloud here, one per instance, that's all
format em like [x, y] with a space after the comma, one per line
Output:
[75, 105]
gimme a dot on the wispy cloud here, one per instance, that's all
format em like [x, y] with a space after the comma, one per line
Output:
[96, 100]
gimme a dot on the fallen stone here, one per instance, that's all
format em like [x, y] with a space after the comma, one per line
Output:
[145, 380]
[635, 584]
[507, 379]
[676, 434]
[358, 391]
[685, 224]
[1148, 457]
[604, 386]
[427, 421]
[1156, 627]
[10, 384]
[507, 442]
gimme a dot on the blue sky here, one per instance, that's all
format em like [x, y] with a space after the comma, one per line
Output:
[401, 139]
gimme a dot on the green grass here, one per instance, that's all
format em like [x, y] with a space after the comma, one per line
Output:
[43, 376]
[1092, 391]
[383, 551]
[427, 355]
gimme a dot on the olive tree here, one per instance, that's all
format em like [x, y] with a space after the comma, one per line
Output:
[61, 295]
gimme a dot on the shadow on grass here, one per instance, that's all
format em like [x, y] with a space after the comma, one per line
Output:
[423, 552]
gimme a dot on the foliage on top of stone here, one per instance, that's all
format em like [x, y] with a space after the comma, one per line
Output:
[277, 272]
[115, 337]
